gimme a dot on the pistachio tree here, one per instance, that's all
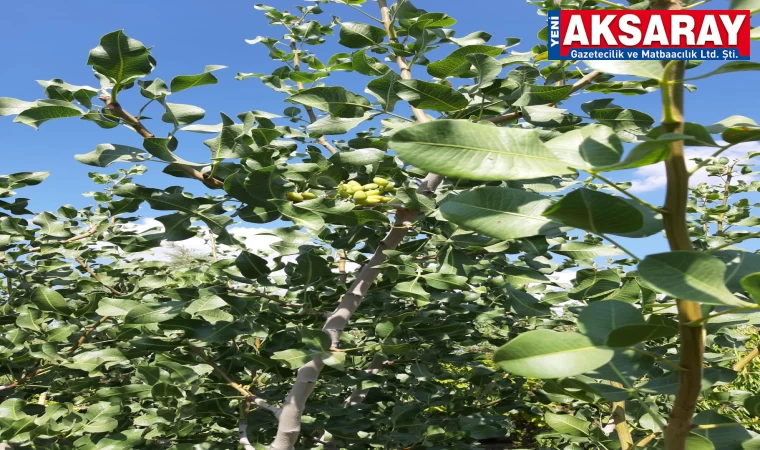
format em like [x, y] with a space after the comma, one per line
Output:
[444, 271]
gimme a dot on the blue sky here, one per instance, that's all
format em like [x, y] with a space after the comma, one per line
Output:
[46, 39]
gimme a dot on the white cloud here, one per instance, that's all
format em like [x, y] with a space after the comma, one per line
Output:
[254, 239]
[651, 178]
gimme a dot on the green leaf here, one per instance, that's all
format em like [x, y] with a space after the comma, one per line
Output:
[733, 66]
[176, 227]
[336, 125]
[597, 212]
[642, 69]
[252, 266]
[463, 149]
[159, 147]
[502, 213]
[336, 100]
[120, 58]
[456, 63]
[360, 157]
[752, 5]
[12, 106]
[697, 442]
[486, 67]
[164, 201]
[91, 360]
[475, 38]
[541, 95]
[549, 354]
[180, 114]
[628, 123]
[424, 95]
[116, 307]
[751, 284]
[182, 82]
[600, 318]
[631, 335]
[153, 89]
[360, 35]
[686, 275]
[587, 148]
[146, 313]
[567, 424]
[526, 305]
[22, 179]
[47, 110]
[47, 299]
[367, 65]
[549, 116]
[585, 251]
[382, 89]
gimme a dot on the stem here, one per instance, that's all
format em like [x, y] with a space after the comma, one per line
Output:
[309, 110]
[726, 195]
[747, 359]
[94, 275]
[231, 383]
[382, 111]
[627, 194]
[628, 252]
[735, 241]
[694, 5]
[618, 415]
[676, 228]
[365, 13]
[709, 159]
[643, 443]
[704, 320]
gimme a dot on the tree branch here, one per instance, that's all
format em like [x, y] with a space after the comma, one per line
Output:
[289, 427]
[251, 398]
[116, 109]
[243, 427]
[86, 334]
[739, 366]
[618, 416]
[94, 275]
[24, 378]
[578, 85]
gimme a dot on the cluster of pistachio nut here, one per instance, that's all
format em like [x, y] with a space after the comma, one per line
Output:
[296, 197]
[368, 194]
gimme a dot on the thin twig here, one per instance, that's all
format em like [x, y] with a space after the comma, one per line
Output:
[87, 333]
[243, 426]
[258, 401]
[626, 193]
[309, 109]
[342, 275]
[628, 252]
[25, 378]
[94, 275]
[734, 242]
[747, 359]
[621, 426]
[90, 231]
